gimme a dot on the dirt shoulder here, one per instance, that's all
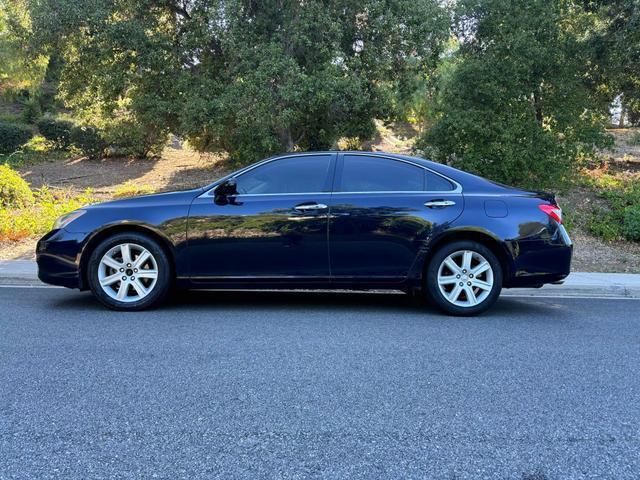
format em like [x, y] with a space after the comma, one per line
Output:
[176, 169]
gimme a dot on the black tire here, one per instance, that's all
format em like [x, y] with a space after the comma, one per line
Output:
[432, 289]
[164, 275]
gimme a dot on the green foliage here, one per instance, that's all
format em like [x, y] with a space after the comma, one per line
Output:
[128, 138]
[31, 110]
[14, 191]
[613, 43]
[56, 131]
[88, 141]
[605, 224]
[64, 135]
[38, 218]
[250, 78]
[20, 68]
[511, 103]
[349, 143]
[619, 218]
[37, 150]
[13, 136]
[631, 226]
[131, 189]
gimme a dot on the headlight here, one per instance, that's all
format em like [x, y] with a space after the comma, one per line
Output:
[66, 219]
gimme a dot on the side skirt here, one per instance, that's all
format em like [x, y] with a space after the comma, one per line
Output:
[293, 282]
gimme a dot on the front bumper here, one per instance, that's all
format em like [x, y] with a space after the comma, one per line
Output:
[58, 258]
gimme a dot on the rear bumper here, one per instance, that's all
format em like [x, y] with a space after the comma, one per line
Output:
[537, 262]
[58, 258]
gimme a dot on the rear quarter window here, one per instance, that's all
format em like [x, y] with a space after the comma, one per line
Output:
[436, 183]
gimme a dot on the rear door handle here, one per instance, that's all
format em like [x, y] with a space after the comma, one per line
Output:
[439, 203]
[310, 206]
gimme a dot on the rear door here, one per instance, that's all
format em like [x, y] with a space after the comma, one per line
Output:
[382, 212]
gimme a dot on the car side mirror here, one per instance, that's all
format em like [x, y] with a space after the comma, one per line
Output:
[226, 189]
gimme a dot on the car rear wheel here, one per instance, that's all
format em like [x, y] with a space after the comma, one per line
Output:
[129, 271]
[464, 278]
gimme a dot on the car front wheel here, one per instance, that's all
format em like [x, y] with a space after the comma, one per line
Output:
[464, 278]
[129, 271]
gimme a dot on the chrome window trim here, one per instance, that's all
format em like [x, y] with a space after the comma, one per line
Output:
[456, 190]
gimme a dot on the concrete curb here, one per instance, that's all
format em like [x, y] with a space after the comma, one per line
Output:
[578, 284]
[19, 272]
[587, 285]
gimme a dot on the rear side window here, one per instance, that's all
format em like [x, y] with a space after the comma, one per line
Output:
[361, 173]
[436, 183]
[301, 174]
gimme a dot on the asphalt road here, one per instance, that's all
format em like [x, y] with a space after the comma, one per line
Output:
[300, 385]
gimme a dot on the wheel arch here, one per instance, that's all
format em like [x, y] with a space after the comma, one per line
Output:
[100, 235]
[483, 237]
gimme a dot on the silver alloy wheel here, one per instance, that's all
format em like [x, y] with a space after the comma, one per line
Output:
[128, 272]
[465, 278]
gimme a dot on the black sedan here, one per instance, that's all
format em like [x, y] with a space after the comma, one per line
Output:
[343, 220]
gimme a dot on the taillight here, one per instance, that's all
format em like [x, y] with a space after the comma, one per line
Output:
[553, 211]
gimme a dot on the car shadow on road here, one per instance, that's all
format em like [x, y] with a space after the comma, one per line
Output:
[345, 301]
[317, 301]
[311, 300]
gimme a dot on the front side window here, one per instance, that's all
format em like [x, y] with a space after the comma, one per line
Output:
[301, 174]
[361, 173]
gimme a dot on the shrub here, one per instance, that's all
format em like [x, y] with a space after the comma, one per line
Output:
[37, 219]
[88, 140]
[631, 223]
[14, 191]
[349, 143]
[129, 139]
[31, 110]
[605, 225]
[131, 189]
[620, 215]
[56, 131]
[13, 136]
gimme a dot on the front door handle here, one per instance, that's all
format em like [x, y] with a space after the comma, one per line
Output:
[439, 203]
[310, 206]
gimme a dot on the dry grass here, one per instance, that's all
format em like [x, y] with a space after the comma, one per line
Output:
[176, 169]
[626, 153]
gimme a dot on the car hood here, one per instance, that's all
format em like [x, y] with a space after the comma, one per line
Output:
[166, 198]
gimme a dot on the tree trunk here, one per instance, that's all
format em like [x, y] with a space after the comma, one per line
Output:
[286, 140]
[537, 107]
[622, 114]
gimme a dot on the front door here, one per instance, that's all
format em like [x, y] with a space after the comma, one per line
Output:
[382, 212]
[274, 228]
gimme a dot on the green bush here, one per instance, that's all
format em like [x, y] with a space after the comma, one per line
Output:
[13, 136]
[56, 131]
[631, 223]
[128, 139]
[37, 219]
[88, 140]
[619, 217]
[14, 191]
[31, 110]
[605, 224]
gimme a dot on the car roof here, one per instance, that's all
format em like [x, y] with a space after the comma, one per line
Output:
[470, 183]
[467, 180]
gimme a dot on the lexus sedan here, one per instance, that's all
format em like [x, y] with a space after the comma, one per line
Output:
[340, 220]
